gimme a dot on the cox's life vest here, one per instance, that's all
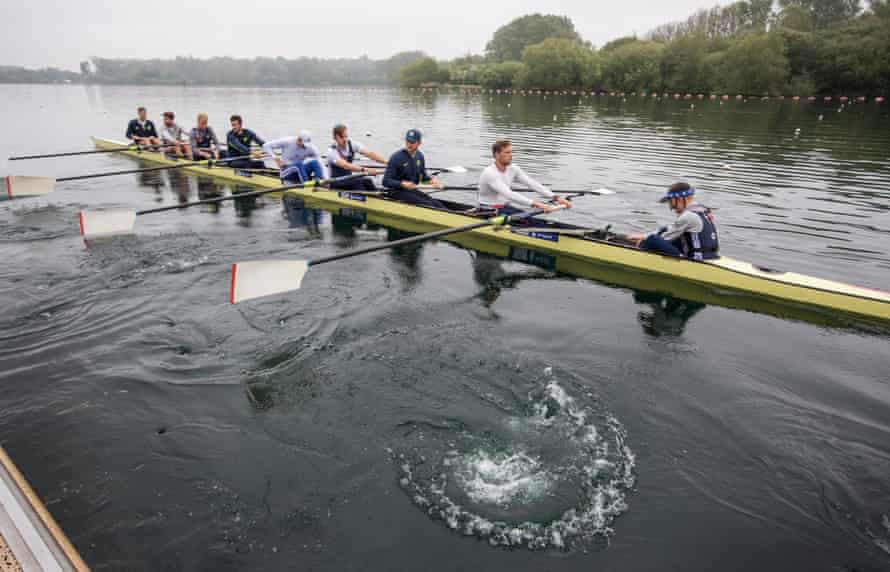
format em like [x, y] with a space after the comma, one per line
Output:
[702, 245]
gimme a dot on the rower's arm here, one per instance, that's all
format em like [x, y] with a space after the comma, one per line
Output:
[508, 195]
[686, 222]
[351, 167]
[373, 156]
[532, 184]
[393, 177]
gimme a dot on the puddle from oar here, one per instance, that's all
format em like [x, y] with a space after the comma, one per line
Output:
[554, 476]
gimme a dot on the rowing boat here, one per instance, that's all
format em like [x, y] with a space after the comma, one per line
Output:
[724, 273]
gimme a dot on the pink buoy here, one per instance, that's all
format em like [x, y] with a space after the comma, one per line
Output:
[796, 98]
[826, 99]
[811, 98]
[879, 100]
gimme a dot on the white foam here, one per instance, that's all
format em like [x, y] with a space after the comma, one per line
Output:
[591, 458]
[502, 479]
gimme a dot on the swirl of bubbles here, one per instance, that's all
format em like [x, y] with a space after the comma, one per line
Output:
[554, 476]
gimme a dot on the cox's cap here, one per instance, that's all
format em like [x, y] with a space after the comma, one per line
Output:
[305, 136]
[413, 136]
[678, 191]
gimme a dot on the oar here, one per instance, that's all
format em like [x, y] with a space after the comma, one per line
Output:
[259, 278]
[601, 191]
[131, 147]
[108, 222]
[22, 186]
[457, 169]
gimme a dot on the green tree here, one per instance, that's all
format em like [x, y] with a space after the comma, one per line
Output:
[794, 17]
[633, 66]
[754, 64]
[558, 63]
[827, 12]
[422, 71]
[511, 39]
[499, 75]
[854, 58]
[683, 65]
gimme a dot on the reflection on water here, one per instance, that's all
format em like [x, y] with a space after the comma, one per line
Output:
[400, 402]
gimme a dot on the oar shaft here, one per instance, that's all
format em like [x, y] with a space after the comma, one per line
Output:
[90, 152]
[250, 194]
[494, 221]
[150, 169]
[475, 188]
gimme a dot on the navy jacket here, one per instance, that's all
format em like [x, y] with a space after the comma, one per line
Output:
[239, 145]
[136, 130]
[402, 167]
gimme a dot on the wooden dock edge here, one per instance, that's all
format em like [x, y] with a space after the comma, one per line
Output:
[29, 530]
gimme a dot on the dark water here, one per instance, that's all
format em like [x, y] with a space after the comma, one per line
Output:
[433, 407]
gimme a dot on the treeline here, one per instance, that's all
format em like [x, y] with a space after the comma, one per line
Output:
[16, 74]
[749, 47]
[224, 71]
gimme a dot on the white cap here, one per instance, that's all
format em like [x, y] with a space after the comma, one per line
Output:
[305, 136]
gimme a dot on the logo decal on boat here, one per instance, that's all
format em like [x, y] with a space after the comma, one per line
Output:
[551, 236]
[353, 196]
[241, 173]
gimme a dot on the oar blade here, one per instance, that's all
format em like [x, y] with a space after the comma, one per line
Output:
[603, 191]
[459, 169]
[18, 186]
[259, 278]
[107, 222]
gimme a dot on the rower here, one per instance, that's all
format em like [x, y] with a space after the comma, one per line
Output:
[341, 161]
[141, 130]
[406, 171]
[693, 235]
[203, 140]
[173, 137]
[496, 182]
[240, 141]
[298, 159]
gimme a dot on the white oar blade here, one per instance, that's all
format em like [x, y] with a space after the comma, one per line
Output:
[17, 186]
[455, 169]
[260, 278]
[603, 192]
[107, 222]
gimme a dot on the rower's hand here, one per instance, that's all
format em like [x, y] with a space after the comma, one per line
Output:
[636, 239]
[544, 207]
[279, 162]
[436, 184]
[563, 202]
[409, 186]
[256, 154]
[371, 171]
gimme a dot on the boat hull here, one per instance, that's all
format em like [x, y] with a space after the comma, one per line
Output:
[724, 273]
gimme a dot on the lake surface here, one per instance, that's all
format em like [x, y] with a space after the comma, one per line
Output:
[434, 407]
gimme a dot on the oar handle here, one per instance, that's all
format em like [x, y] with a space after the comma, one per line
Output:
[250, 194]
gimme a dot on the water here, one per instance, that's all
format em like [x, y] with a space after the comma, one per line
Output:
[434, 407]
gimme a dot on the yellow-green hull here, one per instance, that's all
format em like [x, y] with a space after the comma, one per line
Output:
[724, 273]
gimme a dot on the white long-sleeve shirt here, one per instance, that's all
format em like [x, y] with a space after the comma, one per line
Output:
[495, 186]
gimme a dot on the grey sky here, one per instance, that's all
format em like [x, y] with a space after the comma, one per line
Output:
[58, 33]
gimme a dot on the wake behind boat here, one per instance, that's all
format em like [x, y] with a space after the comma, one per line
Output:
[742, 278]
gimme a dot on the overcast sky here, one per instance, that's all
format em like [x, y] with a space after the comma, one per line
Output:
[59, 33]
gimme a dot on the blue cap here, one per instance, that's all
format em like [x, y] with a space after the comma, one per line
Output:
[413, 136]
[678, 191]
